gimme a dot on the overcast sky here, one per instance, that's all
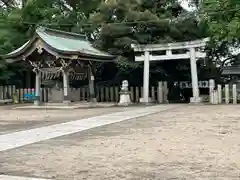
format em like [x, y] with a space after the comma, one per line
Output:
[185, 5]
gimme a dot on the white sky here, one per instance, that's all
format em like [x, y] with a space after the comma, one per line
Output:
[185, 5]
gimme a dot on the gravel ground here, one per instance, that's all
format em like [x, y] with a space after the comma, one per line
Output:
[187, 143]
[16, 120]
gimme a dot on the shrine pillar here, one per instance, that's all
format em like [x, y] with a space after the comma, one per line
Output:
[37, 88]
[65, 73]
[66, 98]
[36, 69]
[91, 86]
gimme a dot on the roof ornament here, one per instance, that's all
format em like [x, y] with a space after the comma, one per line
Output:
[65, 64]
[41, 28]
[39, 50]
[80, 63]
[51, 64]
[23, 57]
[36, 66]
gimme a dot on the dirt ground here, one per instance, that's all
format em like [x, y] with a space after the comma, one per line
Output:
[12, 120]
[186, 143]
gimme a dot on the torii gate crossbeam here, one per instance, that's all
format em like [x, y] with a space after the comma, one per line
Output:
[191, 54]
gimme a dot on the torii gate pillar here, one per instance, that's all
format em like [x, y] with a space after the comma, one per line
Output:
[194, 75]
[146, 77]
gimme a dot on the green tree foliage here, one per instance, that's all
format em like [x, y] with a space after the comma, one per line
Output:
[112, 25]
[222, 18]
[18, 21]
[119, 23]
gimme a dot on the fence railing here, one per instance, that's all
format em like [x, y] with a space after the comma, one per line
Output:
[103, 94]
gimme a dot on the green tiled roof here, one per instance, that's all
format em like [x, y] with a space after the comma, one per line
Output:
[64, 43]
[19, 49]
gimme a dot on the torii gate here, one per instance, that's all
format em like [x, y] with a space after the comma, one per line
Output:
[192, 53]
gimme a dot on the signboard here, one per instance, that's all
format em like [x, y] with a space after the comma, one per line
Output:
[188, 84]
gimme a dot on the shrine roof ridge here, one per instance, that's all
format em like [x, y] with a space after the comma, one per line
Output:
[61, 44]
[42, 29]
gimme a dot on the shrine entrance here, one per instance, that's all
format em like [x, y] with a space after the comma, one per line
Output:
[188, 50]
[59, 57]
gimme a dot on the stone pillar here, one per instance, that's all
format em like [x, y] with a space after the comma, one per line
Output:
[91, 86]
[37, 88]
[215, 97]
[226, 93]
[234, 93]
[165, 92]
[219, 89]
[160, 92]
[211, 91]
[194, 75]
[66, 97]
[146, 78]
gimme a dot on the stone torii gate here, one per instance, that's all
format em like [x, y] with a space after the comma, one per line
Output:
[193, 53]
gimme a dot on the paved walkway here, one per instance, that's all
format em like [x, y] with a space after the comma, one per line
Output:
[189, 142]
[3, 177]
[22, 138]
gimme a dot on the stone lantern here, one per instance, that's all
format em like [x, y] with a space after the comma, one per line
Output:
[125, 99]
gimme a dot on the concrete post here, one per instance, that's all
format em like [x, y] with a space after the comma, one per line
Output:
[219, 88]
[211, 90]
[194, 75]
[234, 93]
[215, 97]
[66, 98]
[160, 92]
[146, 78]
[37, 88]
[165, 92]
[226, 93]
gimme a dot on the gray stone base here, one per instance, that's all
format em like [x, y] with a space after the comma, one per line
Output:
[124, 104]
[93, 100]
[142, 100]
[66, 98]
[36, 103]
[66, 102]
[125, 99]
[196, 100]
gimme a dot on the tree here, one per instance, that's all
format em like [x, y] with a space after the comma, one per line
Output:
[112, 25]
[119, 23]
[223, 19]
[18, 23]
